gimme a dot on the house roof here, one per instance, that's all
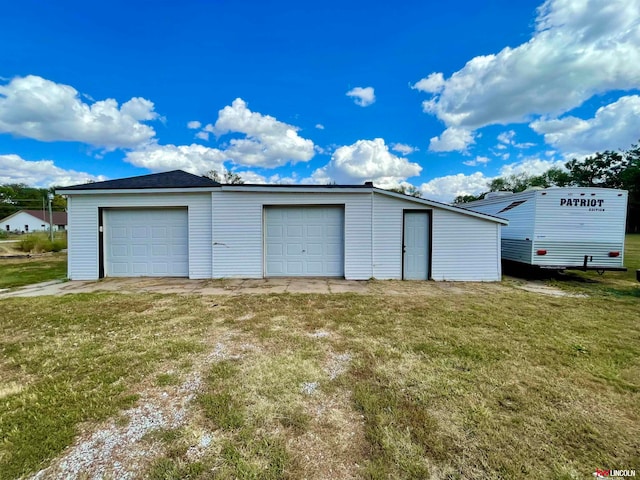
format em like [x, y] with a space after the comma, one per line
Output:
[59, 218]
[172, 179]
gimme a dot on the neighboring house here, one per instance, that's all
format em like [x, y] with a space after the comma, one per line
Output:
[26, 221]
[183, 225]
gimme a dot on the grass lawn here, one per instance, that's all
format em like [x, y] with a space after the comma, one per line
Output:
[445, 381]
[17, 272]
[616, 283]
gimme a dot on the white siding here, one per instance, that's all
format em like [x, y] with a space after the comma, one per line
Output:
[566, 232]
[83, 228]
[19, 220]
[464, 248]
[238, 230]
[387, 235]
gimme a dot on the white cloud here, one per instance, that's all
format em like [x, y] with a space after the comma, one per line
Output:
[202, 135]
[37, 108]
[479, 160]
[578, 49]
[362, 96]
[194, 158]
[452, 139]
[194, 125]
[445, 189]
[268, 143]
[40, 173]
[530, 167]
[613, 126]
[507, 137]
[403, 148]
[319, 126]
[434, 83]
[366, 160]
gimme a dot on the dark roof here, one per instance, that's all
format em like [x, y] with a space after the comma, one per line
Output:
[173, 179]
[294, 185]
[59, 218]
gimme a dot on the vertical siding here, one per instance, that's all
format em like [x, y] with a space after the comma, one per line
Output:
[238, 236]
[83, 228]
[464, 248]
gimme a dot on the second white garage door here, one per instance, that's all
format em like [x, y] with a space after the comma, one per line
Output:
[146, 243]
[304, 241]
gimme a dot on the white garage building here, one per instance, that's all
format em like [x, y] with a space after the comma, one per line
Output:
[182, 225]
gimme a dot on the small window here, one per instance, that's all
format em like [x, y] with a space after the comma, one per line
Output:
[26, 228]
[8, 228]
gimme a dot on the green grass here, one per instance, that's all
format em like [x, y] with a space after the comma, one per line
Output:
[480, 381]
[25, 271]
[613, 283]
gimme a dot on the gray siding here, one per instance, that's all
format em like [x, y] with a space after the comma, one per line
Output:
[83, 228]
[517, 250]
[238, 230]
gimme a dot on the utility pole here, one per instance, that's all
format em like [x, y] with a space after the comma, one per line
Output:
[50, 197]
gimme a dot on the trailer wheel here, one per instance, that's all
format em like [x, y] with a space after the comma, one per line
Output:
[600, 272]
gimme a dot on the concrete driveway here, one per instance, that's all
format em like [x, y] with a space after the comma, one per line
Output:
[186, 286]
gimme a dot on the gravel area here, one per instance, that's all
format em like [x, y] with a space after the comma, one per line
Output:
[118, 449]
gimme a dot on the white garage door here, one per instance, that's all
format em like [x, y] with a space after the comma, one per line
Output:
[146, 243]
[304, 241]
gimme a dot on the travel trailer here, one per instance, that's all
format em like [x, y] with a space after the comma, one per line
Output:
[561, 228]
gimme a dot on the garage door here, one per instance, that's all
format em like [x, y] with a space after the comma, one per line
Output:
[146, 243]
[304, 241]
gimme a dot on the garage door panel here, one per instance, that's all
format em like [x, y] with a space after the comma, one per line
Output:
[304, 241]
[149, 242]
[294, 231]
[159, 232]
[294, 268]
[315, 249]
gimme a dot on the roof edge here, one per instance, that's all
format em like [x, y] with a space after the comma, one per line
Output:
[444, 206]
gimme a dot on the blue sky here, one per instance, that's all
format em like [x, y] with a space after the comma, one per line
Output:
[440, 95]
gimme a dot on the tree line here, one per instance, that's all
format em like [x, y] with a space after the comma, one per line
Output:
[18, 196]
[609, 169]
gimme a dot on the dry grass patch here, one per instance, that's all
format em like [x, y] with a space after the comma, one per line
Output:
[495, 383]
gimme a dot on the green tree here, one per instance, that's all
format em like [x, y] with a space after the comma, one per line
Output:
[467, 198]
[599, 170]
[229, 178]
[410, 190]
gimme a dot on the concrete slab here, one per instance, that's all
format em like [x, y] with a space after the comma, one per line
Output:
[308, 285]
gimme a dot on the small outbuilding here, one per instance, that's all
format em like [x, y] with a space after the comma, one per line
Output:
[25, 221]
[183, 225]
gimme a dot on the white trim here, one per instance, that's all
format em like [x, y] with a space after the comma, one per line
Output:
[443, 206]
[112, 191]
[293, 189]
